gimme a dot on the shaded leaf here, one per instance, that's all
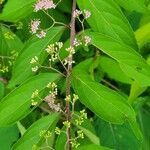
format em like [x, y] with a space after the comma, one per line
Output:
[114, 72]
[144, 121]
[9, 135]
[120, 137]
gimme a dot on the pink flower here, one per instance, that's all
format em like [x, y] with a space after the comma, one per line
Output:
[35, 25]
[87, 14]
[38, 6]
[77, 13]
[41, 34]
[44, 4]
[48, 4]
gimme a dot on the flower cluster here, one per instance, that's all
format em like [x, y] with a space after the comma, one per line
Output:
[77, 13]
[34, 95]
[74, 142]
[67, 124]
[19, 25]
[85, 13]
[34, 28]
[72, 99]
[77, 42]
[1, 1]
[44, 4]
[50, 99]
[57, 131]
[35, 25]
[3, 68]
[53, 50]
[9, 35]
[7, 61]
[85, 40]
[81, 117]
[46, 134]
[34, 62]
[71, 51]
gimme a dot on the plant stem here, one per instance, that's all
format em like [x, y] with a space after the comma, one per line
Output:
[69, 70]
[51, 68]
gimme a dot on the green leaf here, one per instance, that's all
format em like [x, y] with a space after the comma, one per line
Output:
[21, 128]
[17, 104]
[145, 17]
[93, 138]
[131, 5]
[34, 47]
[102, 98]
[2, 89]
[104, 102]
[120, 137]
[107, 18]
[143, 35]
[131, 62]
[15, 10]
[32, 135]
[135, 91]
[65, 6]
[144, 121]
[114, 72]
[61, 140]
[9, 44]
[9, 135]
[92, 147]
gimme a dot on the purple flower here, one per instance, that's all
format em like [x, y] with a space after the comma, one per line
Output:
[34, 25]
[41, 34]
[44, 4]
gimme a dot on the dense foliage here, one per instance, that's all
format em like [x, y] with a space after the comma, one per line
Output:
[74, 74]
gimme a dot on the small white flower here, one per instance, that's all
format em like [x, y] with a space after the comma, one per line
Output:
[35, 94]
[59, 44]
[87, 40]
[34, 25]
[50, 48]
[87, 14]
[33, 103]
[34, 69]
[34, 60]
[41, 34]
[53, 50]
[75, 98]
[71, 50]
[69, 62]
[77, 42]
[77, 13]
[44, 4]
